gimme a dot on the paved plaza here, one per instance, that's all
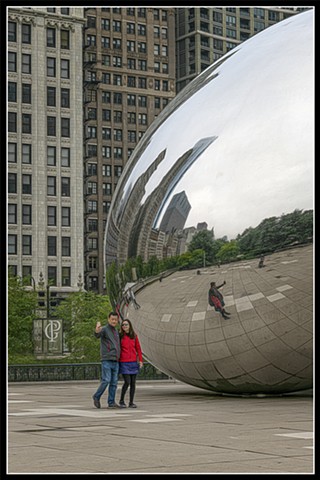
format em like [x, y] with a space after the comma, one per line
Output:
[53, 427]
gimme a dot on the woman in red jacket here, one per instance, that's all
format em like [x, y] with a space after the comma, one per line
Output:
[130, 361]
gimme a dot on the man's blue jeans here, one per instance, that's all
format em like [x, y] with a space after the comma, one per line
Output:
[109, 376]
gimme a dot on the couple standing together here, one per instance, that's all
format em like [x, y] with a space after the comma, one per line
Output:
[120, 353]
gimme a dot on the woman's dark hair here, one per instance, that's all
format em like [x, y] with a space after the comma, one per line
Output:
[131, 332]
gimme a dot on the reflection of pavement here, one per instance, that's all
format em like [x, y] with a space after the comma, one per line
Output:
[271, 310]
[54, 428]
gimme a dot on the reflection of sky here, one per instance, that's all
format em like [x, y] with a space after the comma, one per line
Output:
[260, 106]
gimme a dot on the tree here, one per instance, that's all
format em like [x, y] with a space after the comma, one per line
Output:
[80, 311]
[203, 240]
[22, 304]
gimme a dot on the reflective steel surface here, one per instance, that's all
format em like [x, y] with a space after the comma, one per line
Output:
[233, 148]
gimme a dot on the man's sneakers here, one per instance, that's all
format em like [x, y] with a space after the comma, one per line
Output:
[96, 402]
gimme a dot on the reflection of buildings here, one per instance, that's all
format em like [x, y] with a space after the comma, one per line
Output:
[176, 214]
[132, 233]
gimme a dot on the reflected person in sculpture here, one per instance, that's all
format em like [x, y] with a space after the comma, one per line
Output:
[110, 354]
[215, 299]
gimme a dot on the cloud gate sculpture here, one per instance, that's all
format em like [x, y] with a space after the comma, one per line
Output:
[233, 148]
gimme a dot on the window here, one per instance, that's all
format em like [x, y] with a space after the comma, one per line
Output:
[51, 37]
[131, 63]
[51, 96]
[92, 113]
[12, 152]
[65, 186]
[131, 28]
[51, 126]
[92, 206]
[66, 276]
[92, 263]
[12, 213]
[92, 243]
[51, 186]
[105, 24]
[52, 275]
[12, 183]
[106, 170]
[117, 80]
[26, 153]
[52, 215]
[91, 40]
[116, 43]
[26, 33]
[66, 246]
[117, 116]
[26, 123]
[51, 156]
[92, 225]
[65, 97]
[143, 119]
[52, 246]
[105, 42]
[26, 93]
[12, 91]
[12, 31]
[106, 115]
[12, 244]
[26, 214]
[65, 68]
[117, 98]
[131, 100]
[26, 245]
[92, 188]
[92, 132]
[142, 30]
[65, 39]
[106, 206]
[26, 63]
[26, 184]
[65, 216]
[106, 133]
[92, 150]
[106, 152]
[132, 137]
[131, 46]
[65, 157]
[65, 11]
[92, 169]
[142, 82]
[12, 62]
[27, 274]
[117, 170]
[117, 135]
[117, 152]
[65, 127]
[51, 67]
[12, 122]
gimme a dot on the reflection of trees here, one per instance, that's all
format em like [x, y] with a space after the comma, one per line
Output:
[277, 232]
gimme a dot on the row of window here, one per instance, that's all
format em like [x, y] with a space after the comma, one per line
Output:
[91, 96]
[51, 215]
[26, 154]
[52, 274]
[51, 35]
[92, 170]
[26, 95]
[26, 65]
[132, 63]
[132, 81]
[140, 12]
[117, 134]
[131, 27]
[92, 188]
[26, 246]
[92, 206]
[132, 45]
[26, 123]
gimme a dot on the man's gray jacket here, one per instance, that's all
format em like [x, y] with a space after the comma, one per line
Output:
[109, 343]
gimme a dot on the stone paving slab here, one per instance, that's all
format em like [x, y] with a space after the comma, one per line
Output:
[53, 427]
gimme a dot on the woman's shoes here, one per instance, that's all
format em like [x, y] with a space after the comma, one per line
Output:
[132, 405]
[122, 404]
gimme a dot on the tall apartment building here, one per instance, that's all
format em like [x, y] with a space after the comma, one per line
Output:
[129, 77]
[203, 35]
[45, 145]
